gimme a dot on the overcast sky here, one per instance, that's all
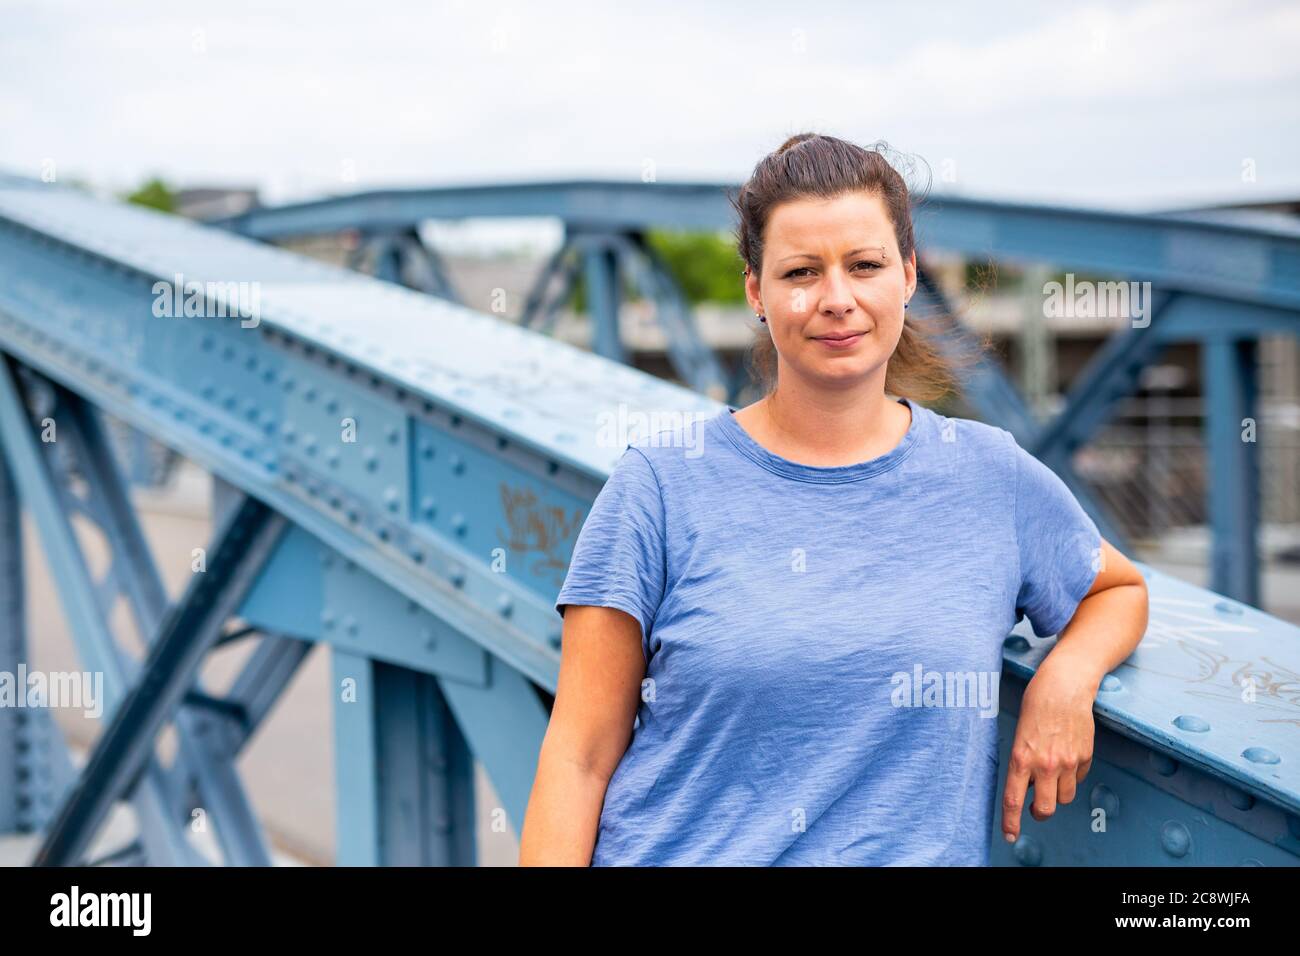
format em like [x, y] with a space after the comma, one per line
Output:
[1132, 104]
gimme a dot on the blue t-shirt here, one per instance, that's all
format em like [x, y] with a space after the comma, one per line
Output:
[823, 644]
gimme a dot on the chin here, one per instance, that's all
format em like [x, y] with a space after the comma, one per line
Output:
[845, 369]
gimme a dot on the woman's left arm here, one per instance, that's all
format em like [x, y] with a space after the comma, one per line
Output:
[1054, 732]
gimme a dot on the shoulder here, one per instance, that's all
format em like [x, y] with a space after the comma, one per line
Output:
[969, 438]
[668, 449]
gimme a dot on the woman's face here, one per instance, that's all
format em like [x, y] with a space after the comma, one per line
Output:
[833, 286]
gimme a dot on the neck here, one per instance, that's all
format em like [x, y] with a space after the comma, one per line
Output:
[838, 426]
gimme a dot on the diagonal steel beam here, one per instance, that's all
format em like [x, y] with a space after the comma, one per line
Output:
[133, 570]
[537, 303]
[234, 718]
[692, 358]
[164, 843]
[1112, 374]
[191, 628]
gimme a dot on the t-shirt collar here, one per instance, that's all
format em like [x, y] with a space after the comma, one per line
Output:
[743, 442]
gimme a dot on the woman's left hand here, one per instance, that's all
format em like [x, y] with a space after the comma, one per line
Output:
[1053, 744]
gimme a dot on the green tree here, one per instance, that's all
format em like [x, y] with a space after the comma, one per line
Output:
[155, 194]
[705, 265]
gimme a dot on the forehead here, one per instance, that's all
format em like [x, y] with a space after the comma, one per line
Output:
[858, 218]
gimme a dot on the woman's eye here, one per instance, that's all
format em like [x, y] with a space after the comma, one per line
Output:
[802, 269]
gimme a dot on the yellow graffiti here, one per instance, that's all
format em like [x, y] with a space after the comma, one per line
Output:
[537, 529]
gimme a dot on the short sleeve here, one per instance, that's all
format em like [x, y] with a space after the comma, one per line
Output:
[619, 558]
[1059, 546]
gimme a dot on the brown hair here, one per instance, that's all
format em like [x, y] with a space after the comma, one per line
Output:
[813, 165]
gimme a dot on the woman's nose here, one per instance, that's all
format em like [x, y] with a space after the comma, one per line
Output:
[837, 294]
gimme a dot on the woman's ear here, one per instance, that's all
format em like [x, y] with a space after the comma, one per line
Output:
[752, 291]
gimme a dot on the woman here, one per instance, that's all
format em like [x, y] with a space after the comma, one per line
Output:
[784, 631]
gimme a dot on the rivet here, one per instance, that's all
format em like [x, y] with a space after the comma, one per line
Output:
[1027, 851]
[1191, 723]
[1162, 764]
[1105, 799]
[1175, 839]
[1261, 755]
[1239, 798]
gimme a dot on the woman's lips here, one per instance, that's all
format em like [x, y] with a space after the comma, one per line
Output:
[841, 344]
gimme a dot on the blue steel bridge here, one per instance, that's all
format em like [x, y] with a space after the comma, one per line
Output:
[426, 549]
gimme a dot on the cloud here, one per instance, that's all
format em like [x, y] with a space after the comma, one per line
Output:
[1076, 101]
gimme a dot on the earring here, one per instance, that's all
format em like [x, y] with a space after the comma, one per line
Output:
[761, 318]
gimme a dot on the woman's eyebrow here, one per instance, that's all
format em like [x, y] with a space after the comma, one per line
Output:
[852, 252]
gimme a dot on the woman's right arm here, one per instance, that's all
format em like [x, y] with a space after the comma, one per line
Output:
[596, 698]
